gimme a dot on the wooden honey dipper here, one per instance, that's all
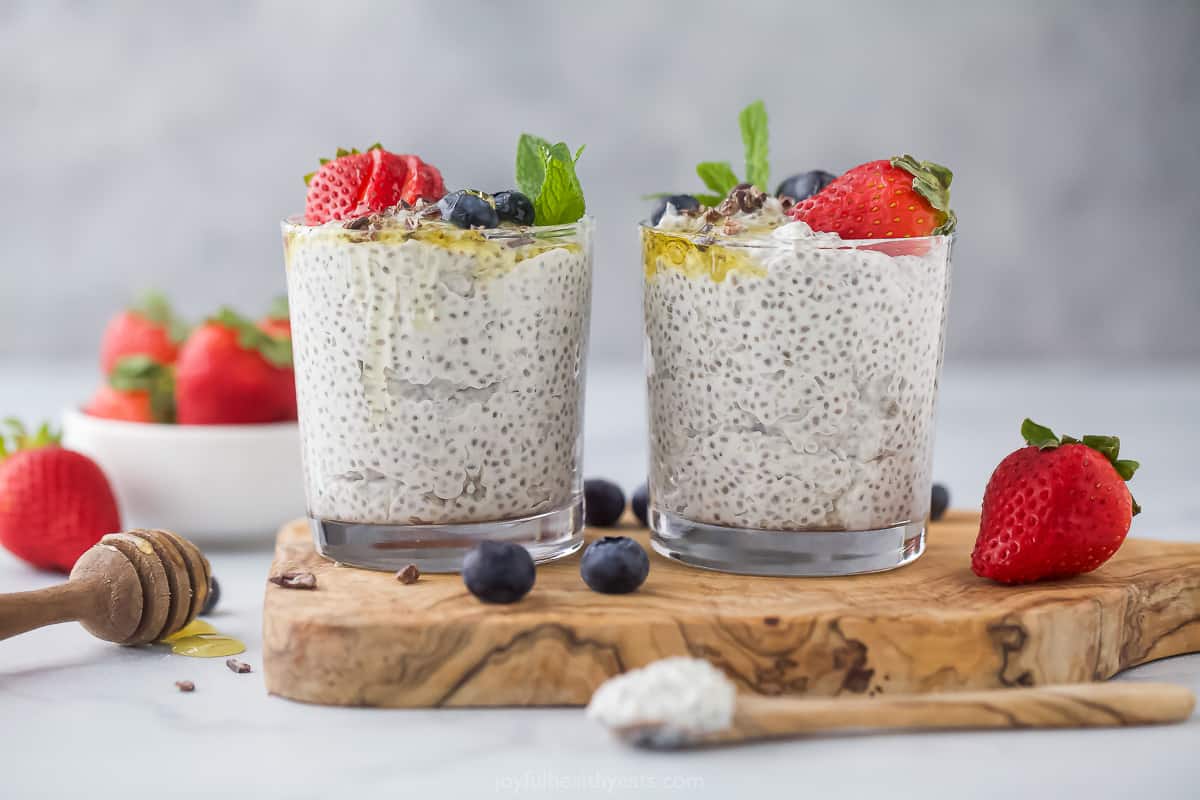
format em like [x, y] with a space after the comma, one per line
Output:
[131, 588]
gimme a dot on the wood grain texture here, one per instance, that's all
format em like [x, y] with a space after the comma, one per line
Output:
[1079, 705]
[364, 638]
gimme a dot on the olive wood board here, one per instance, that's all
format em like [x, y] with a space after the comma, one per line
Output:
[363, 638]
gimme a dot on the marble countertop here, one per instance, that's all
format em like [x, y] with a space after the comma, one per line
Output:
[78, 715]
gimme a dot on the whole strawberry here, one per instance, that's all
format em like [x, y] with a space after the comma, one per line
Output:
[149, 328]
[54, 503]
[354, 184]
[231, 372]
[889, 199]
[139, 389]
[1057, 508]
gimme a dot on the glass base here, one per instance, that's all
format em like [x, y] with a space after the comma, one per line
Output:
[441, 548]
[795, 553]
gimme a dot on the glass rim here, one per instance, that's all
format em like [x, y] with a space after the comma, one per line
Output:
[715, 237]
[295, 222]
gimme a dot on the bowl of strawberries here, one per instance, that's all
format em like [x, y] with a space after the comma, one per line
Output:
[195, 425]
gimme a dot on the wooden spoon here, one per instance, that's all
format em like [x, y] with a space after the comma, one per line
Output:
[1082, 705]
[131, 588]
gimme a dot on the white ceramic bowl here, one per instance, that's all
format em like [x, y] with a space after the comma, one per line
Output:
[214, 484]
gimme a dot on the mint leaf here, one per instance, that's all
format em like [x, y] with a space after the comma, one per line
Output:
[718, 176]
[560, 151]
[546, 175]
[710, 200]
[531, 167]
[753, 122]
[560, 198]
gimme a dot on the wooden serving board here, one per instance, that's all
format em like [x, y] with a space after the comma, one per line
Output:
[364, 638]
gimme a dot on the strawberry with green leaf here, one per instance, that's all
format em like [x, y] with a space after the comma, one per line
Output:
[1057, 508]
[896, 198]
[54, 503]
[231, 372]
[149, 328]
[139, 389]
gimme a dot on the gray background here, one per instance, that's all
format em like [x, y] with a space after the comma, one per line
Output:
[158, 144]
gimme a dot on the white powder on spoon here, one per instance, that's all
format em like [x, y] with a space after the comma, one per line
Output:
[679, 694]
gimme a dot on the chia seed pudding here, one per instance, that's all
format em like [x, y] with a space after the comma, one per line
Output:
[792, 378]
[439, 376]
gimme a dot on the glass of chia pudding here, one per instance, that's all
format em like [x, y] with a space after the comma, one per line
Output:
[440, 344]
[792, 377]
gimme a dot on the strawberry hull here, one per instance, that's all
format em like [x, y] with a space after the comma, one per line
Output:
[792, 383]
[439, 378]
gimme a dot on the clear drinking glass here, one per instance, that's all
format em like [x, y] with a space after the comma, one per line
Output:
[791, 386]
[439, 375]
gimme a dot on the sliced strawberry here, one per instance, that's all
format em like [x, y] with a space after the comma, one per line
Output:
[386, 182]
[354, 183]
[334, 191]
[424, 182]
[886, 199]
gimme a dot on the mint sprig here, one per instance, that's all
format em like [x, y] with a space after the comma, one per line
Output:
[719, 176]
[1043, 438]
[546, 175]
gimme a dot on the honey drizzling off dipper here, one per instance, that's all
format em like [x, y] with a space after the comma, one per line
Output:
[131, 588]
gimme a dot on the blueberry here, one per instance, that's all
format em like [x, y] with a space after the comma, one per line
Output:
[939, 502]
[513, 206]
[468, 209]
[614, 565]
[805, 184]
[603, 503]
[682, 202]
[498, 572]
[214, 594]
[639, 502]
